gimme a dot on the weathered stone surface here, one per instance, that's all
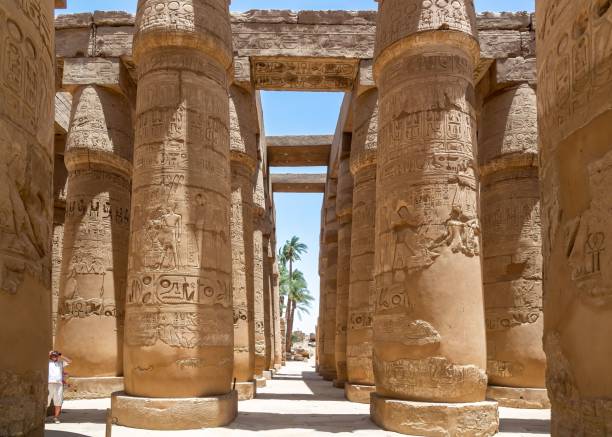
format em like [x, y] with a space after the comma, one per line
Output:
[73, 42]
[107, 72]
[278, 344]
[63, 105]
[309, 74]
[435, 419]
[516, 70]
[72, 21]
[243, 154]
[113, 41]
[242, 72]
[361, 291]
[179, 319]
[27, 93]
[358, 393]
[429, 336]
[575, 125]
[113, 18]
[259, 230]
[365, 76]
[174, 414]
[500, 44]
[344, 211]
[275, 16]
[337, 17]
[512, 397]
[93, 279]
[503, 21]
[246, 390]
[92, 388]
[511, 237]
[298, 150]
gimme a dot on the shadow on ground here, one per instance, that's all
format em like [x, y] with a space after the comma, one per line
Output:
[50, 433]
[83, 416]
[529, 426]
[335, 423]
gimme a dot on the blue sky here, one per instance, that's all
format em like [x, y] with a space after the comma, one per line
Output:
[292, 113]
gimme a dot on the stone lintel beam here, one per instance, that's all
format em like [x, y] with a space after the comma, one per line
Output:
[303, 73]
[107, 72]
[60, 4]
[298, 151]
[298, 183]
[365, 77]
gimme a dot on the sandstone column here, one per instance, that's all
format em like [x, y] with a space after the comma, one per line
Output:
[575, 121]
[360, 374]
[278, 348]
[243, 155]
[328, 359]
[27, 85]
[98, 158]
[268, 310]
[429, 336]
[258, 275]
[322, 295]
[178, 354]
[511, 243]
[60, 177]
[344, 210]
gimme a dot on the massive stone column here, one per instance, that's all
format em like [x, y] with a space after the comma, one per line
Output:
[98, 158]
[429, 335]
[60, 177]
[322, 295]
[27, 84]
[575, 122]
[344, 210]
[259, 230]
[511, 245]
[278, 347]
[179, 336]
[268, 310]
[328, 356]
[360, 374]
[243, 155]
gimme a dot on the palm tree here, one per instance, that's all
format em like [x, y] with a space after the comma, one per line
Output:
[290, 253]
[298, 294]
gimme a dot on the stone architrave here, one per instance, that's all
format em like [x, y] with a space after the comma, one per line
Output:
[328, 356]
[98, 157]
[429, 335]
[344, 210]
[27, 98]
[512, 248]
[360, 374]
[179, 332]
[259, 213]
[243, 156]
[575, 125]
[60, 177]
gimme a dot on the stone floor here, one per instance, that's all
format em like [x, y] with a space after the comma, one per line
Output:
[296, 403]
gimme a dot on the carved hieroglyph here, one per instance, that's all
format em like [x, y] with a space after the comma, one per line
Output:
[260, 228]
[511, 239]
[98, 157]
[328, 360]
[26, 207]
[60, 177]
[344, 209]
[278, 348]
[179, 332]
[361, 293]
[429, 339]
[575, 119]
[243, 153]
[268, 310]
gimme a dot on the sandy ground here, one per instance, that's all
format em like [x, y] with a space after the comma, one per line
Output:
[297, 402]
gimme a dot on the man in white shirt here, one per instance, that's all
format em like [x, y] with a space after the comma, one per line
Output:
[56, 382]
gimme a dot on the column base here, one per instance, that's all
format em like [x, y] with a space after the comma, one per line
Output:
[38, 432]
[358, 393]
[338, 384]
[277, 367]
[267, 374]
[328, 375]
[246, 390]
[92, 388]
[173, 414]
[519, 397]
[260, 381]
[475, 419]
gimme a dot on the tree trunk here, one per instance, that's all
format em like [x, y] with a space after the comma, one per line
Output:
[289, 324]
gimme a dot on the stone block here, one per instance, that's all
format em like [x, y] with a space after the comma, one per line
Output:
[246, 390]
[358, 393]
[514, 70]
[528, 43]
[72, 21]
[242, 72]
[260, 381]
[519, 397]
[365, 76]
[113, 18]
[435, 419]
[113, 41]
[503, 21]
[73, 42]
[497, 44]
[93, 388]
[265, 16]
[337, 17]
[96, 71]
[63, 106]
[174, 414]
